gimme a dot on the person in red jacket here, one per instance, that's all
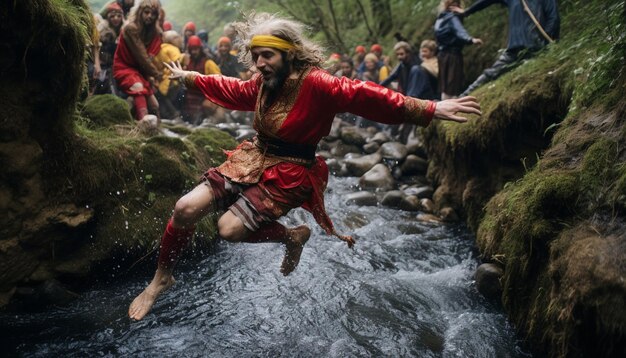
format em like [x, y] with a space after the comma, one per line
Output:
[133, 66]
[261, 180]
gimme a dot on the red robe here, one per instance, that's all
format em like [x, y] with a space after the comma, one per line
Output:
[132, 61]
[303, 113]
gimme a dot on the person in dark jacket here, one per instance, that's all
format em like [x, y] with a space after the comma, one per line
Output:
[525, 38]
[413, 80]
[451, 38]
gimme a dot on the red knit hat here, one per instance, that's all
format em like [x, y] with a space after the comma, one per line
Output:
[360, 49]
[113, 7]
[190, 26]
[222, 40]
[167, 26]
[194, 41]
[376, 47]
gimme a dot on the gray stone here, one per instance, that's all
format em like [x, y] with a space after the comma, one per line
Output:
[392, 198]
[379, 178]
[327, 144]
[410, 203]
[361, 198]
[334, 166]
[417, 149]
[427, 205]
[353, 135]
[341, 149]
[414, 165]
[371, 147]
[488, 280]
[380, 138]
[448, 214]
[325, 154]
[421, 192]
[359, 166]
[394, 150]
[427, 218]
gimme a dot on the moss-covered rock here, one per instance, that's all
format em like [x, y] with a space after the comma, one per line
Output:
[107, 110]
[549, 152]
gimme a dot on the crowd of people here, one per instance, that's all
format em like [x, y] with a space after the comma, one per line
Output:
[134, 40]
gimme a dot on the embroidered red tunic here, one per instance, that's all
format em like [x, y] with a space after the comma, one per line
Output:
[302, 114]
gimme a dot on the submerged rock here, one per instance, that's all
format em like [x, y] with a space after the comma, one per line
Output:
[359, 166]
[487, 278]
[361, 198]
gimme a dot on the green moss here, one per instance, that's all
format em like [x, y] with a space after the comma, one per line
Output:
[176, 145]
[210, 145]
[164, 171]
[597, 171]
[178, 129]
[107, 110]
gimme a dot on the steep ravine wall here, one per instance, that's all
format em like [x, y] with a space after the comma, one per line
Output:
[541, 179]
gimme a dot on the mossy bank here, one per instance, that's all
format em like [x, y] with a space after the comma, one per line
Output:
[540, 178]
[82, 184]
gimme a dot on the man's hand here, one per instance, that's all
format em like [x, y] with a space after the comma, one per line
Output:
[456, 9]
[447, 110]
[477, 41]
[176, 70]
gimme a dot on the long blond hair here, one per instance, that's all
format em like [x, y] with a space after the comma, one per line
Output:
[444, 4]
[306, 52]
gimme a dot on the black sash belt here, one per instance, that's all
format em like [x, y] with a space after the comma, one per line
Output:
[283, 149]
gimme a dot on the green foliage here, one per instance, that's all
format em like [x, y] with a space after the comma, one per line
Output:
[106, 110]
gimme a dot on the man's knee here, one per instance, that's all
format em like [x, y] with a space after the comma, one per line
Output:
[185, 211]
[230, 228]
[137, 86]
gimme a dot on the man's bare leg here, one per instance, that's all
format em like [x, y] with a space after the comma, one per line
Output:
[188, 210]
[231, 228]
[142, 304]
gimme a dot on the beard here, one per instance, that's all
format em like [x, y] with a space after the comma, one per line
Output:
[279, 78]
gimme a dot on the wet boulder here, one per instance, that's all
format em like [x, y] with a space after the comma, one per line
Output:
[410, 203]
[380, 138]
[414, 165]
[353, 135]
[378, 178]
[420, 191]
[334, 166]
[371, 147]
[359, 166]
[448, 214]
[488, 280]
[427, 205]
[341, 149]
[244, 134]
[362, 198]
[394, 151]
[392, 198]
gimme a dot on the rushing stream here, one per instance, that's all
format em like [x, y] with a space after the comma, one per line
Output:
[406, 290]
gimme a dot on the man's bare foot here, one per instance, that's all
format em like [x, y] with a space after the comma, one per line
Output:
[298, 236]
[143, 303]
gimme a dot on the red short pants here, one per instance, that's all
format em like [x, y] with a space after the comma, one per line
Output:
[253, 204]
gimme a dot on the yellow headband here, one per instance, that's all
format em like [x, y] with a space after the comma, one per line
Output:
[271, 41]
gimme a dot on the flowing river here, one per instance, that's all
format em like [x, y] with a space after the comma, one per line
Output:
[406, 290]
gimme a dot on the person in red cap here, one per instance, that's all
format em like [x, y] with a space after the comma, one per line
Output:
[167, 26]
[383, 61]
[188, 30]
[109, 30]
[195, 107]
[226, 60]
[125, 5]
[294, 102]
[359, 55]
[133, 66]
